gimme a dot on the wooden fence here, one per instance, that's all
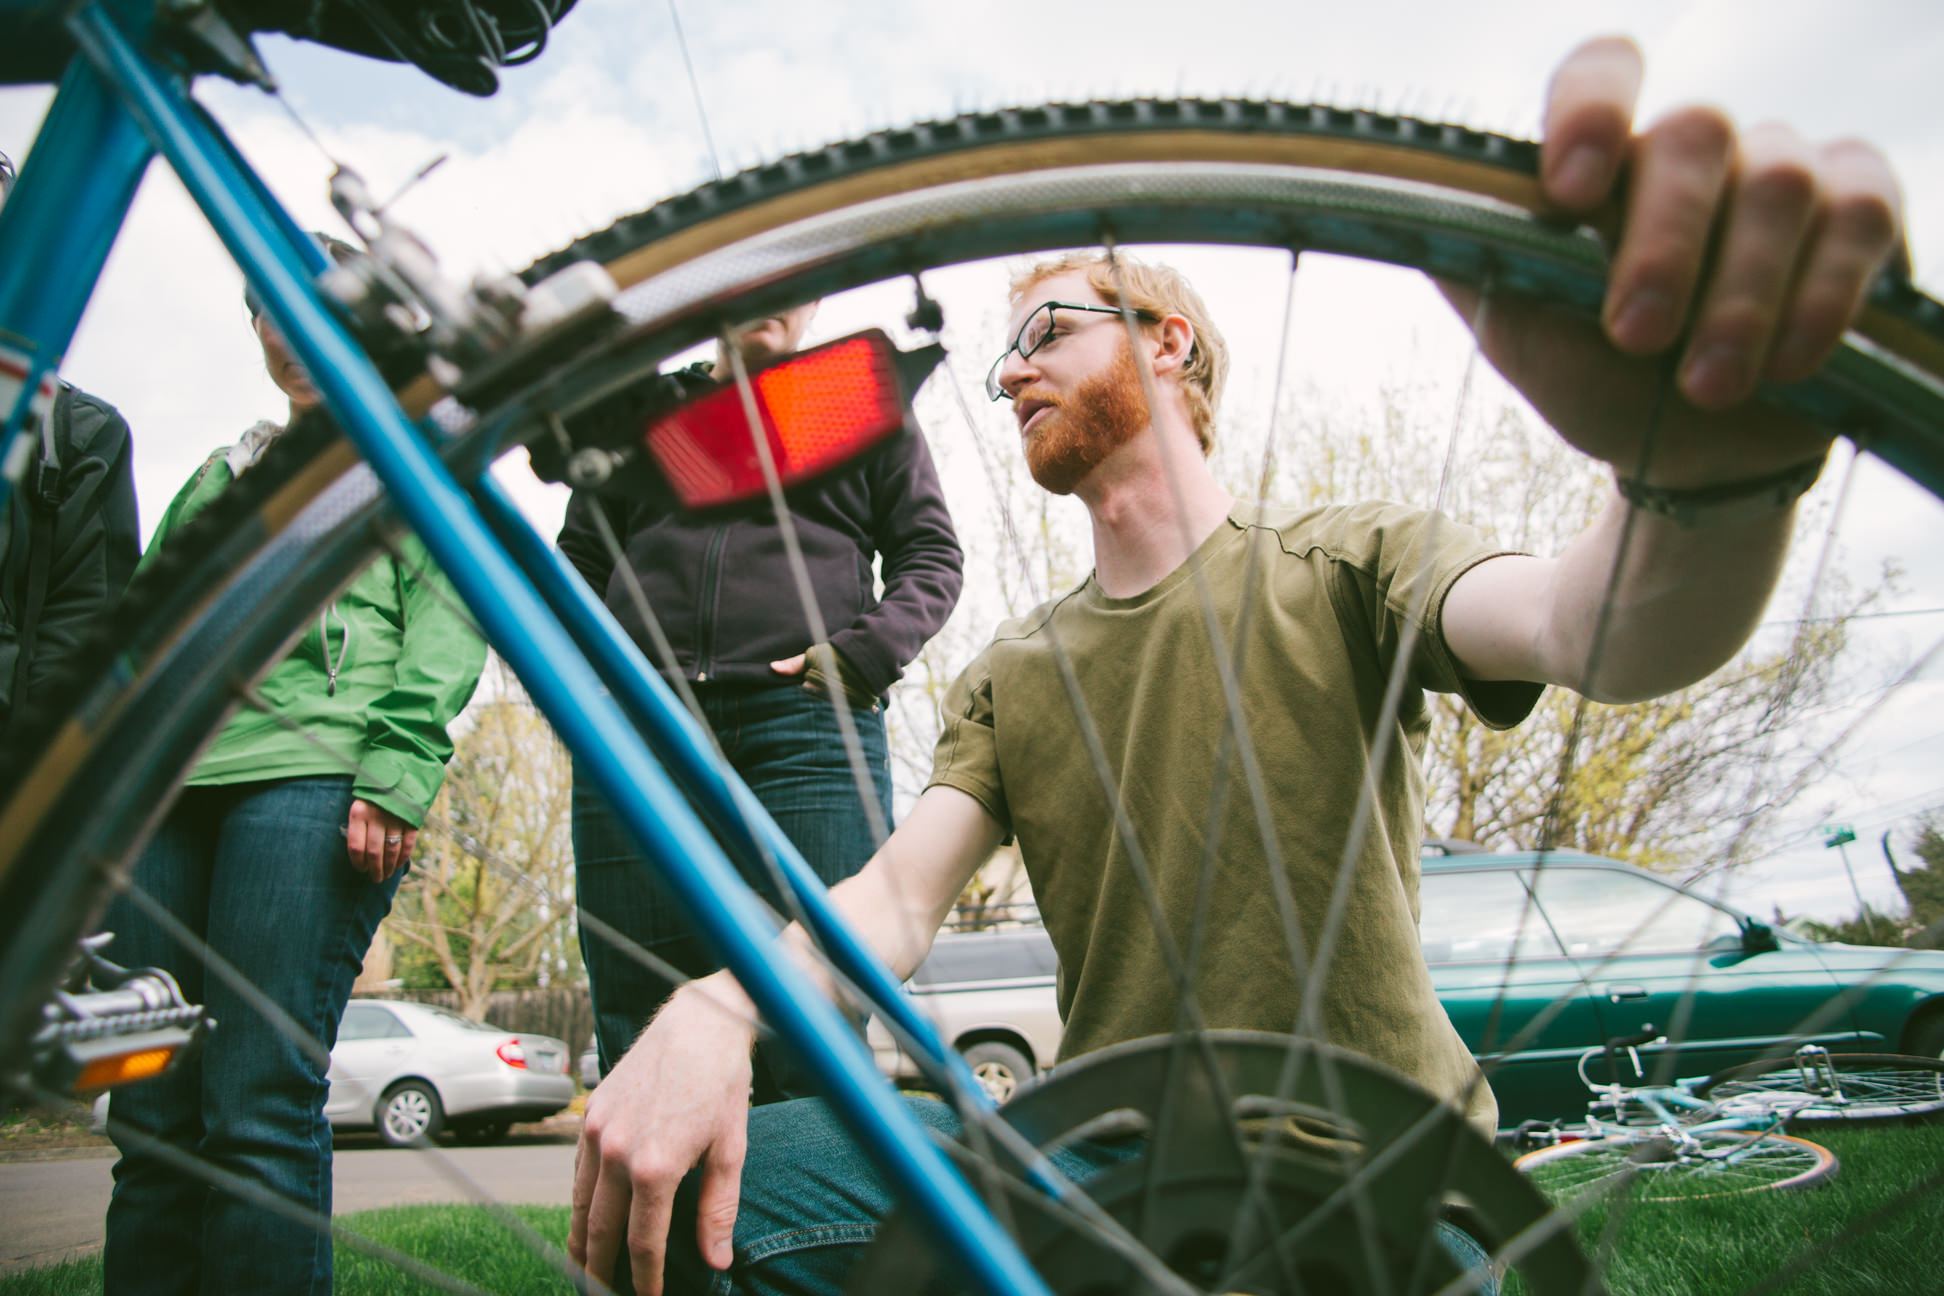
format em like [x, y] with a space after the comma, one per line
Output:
[563, 1013]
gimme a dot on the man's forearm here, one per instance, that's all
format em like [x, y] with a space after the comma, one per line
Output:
[1680, 603]
[896, 903]
[898, 937]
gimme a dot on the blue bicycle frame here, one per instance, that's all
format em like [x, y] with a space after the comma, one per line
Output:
[1666, 1102]
[116, 108]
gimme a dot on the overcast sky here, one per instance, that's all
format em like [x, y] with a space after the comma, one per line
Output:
[606, 123]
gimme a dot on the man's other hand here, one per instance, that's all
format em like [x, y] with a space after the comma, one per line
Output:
[678, 1100]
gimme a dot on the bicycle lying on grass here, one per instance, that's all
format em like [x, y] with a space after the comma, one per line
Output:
[1219, 1201]
[1720, 1135]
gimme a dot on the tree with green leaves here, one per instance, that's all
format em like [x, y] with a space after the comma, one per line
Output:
[489, 902]
[1680, 782]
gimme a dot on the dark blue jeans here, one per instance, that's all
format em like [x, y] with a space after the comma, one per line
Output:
[259, 871]
[784, 742]
[811, 1203]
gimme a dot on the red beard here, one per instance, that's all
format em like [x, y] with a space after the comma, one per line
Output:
[1105, 413]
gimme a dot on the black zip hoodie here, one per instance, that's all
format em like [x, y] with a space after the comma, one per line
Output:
[720, 583]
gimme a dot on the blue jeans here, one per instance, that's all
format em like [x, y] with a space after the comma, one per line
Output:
[811, 1203]
[784, 742]
[259, 871]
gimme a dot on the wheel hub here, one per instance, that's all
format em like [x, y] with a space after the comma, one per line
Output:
[1226, 1159]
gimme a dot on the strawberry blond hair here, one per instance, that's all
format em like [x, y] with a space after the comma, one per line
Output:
[1159, 290]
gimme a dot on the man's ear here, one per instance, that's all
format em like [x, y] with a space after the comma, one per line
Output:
[1174, 341]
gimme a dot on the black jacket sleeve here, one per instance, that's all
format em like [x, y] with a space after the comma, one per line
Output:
[923, 567]
[581, 541]
[612, 424]
[96, 538]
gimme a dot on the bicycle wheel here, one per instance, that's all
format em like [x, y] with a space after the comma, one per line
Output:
[1183, 1186]
[1857, 1088]
[1460, 204]
[1721, 1163]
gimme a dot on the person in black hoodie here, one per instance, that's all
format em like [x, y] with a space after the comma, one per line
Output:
[68, 541]
[720, 588]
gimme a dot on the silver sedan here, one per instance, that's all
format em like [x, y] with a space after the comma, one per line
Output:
[412, 1070]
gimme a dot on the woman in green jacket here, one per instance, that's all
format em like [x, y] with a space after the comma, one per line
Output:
[280, 856]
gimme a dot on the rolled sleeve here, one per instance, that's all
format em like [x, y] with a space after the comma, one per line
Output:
[967, 754]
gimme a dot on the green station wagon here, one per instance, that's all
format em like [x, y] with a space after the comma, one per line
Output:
[1537, 961]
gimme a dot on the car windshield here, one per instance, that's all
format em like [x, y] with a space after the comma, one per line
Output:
[1600, 912]
[1480, 916]
[452, 1018]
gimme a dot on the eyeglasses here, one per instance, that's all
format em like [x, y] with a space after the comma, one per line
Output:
[1039, 329]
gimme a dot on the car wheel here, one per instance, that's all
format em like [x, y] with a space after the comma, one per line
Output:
[409, 1115]
[1928, 1039]
[1001, 1068]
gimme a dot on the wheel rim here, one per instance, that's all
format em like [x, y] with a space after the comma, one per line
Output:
[997, 1078]
[1886, 1090]
[408, 1114]
[1722, 1164]
[684, 306]
[1898, 411]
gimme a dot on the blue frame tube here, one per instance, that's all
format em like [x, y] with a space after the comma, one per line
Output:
[676, 739]
[68, 204]
[520, 625]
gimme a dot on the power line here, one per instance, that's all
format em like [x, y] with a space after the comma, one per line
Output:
[1855, 616]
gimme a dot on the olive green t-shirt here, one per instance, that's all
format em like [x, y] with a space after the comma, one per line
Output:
[1314, 607]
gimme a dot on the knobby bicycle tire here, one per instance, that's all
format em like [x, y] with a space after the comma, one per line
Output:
[1728, 1164]
[1871, 1088]
[238, 584]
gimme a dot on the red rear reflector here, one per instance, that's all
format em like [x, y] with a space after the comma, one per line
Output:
[818, 408]
[512, 1054]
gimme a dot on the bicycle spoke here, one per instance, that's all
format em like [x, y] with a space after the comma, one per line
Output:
[246, 989]
[638, 600]
[1337, 908]
[807, 596]
[511, 871]
[257, 1195]
[1234, 721]
[1315, 936]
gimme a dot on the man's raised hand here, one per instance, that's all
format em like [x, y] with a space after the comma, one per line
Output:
[1742, 257]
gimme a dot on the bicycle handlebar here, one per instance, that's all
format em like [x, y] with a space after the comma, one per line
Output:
[1611, 1050]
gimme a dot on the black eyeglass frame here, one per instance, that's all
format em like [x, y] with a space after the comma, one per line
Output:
[992, 387]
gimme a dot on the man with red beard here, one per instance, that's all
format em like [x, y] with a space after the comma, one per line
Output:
[1107, 731]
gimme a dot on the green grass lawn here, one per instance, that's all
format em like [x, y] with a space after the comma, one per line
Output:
[466, 1242]
[1734, 1244]
[1723, 1245]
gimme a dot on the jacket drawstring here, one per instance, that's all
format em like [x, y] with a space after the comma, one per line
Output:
[332, 668]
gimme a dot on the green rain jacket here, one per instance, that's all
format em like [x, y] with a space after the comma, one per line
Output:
[373, 683]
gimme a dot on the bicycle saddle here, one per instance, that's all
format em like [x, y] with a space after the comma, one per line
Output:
[459, 42]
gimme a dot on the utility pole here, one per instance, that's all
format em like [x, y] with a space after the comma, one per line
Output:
[1840, 836]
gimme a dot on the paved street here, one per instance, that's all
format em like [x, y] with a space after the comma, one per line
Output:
[53, 1209]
